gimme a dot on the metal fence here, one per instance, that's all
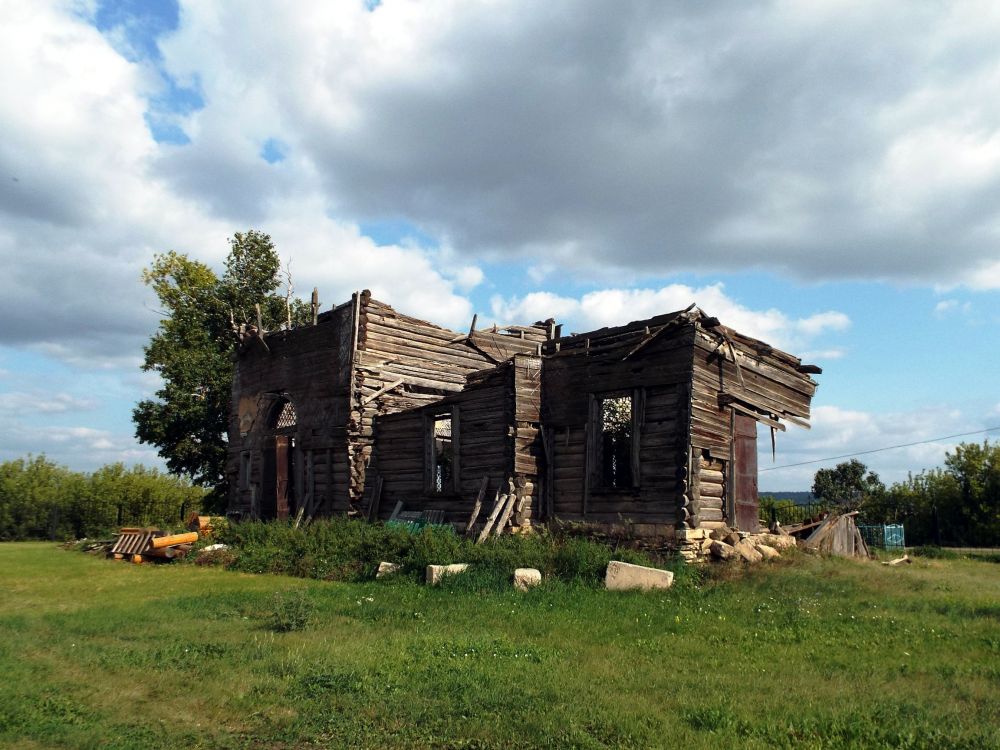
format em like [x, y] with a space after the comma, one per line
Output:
[885, 536]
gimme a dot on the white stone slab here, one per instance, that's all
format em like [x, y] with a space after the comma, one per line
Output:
[623, 576]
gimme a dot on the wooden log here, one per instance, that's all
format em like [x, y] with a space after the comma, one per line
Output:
[174, 539]
[498, 502]
[505, 516]
[477, 507]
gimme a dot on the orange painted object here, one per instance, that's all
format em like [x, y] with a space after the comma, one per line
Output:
[137, 559]
[174, 539]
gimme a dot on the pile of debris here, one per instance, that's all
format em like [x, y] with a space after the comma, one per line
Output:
[148, 544]
[834, 534]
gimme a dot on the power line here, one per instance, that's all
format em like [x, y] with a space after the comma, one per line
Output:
[879, 450]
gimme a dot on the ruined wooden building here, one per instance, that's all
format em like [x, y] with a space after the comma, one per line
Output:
[653, 423]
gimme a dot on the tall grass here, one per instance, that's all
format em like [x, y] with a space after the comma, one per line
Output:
[341, 549]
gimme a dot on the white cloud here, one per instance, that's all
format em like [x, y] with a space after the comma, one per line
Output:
[838, 431]
[655, 137]
[949, 307]
[79, 447]
[617, 306]
[19, 403]
[87, 197]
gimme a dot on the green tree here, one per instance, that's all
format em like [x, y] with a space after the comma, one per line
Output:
[848, 484]
[193, 351]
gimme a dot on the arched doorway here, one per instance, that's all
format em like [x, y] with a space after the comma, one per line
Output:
[279, 492]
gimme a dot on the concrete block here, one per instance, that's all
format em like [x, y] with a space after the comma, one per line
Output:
[622, 576]
[436, 572]
[525, 578]
[386, 569]
[688, 535]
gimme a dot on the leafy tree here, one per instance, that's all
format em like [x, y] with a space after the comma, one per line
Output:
[193, 351]
[848, 484]
[42, 500]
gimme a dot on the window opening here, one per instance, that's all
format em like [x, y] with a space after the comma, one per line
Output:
[616, 441]
[286, 417]
[442, 468]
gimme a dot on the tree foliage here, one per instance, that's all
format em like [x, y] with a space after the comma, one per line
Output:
[193, 350]
[958, 504]
[848, 484]
[42, 500]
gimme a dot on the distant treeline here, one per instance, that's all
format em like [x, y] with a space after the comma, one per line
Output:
[957, 505]
[42, 500]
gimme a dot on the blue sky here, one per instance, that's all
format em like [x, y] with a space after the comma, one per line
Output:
[796, 169]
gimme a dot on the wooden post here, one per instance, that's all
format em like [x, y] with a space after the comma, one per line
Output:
[498, 503]
[478, 506]
[315, 305]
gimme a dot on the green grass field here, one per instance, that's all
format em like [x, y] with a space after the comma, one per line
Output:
[806, 653]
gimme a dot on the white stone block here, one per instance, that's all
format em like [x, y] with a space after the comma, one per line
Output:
[526, 578]
[622, 576]
[436, 572]
[386, 569]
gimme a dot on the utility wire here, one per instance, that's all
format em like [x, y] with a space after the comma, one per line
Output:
[879, 450]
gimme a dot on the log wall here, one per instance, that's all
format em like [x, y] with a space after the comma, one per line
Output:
[484, 441]
[578, 370]
[309, 366]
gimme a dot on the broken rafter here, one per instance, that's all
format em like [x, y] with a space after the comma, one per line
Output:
[384, 389]
[650, 336]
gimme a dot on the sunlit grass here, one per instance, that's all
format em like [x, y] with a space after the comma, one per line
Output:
[806, 653]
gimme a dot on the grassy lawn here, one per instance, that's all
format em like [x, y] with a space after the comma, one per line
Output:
[805, 653]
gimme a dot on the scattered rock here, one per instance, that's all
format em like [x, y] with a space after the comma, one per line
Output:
[721, 533]
[386, 569]
[747, 551]
[622, 576]
[214, 547]
[722, 551]
[769, 553]
[732, 538]
[780, 542]
[526, 578]
[436, 572]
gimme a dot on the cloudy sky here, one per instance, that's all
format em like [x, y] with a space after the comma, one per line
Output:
[823, 175]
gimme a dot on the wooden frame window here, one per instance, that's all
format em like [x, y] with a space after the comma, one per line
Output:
[616, 422]
[441, 440]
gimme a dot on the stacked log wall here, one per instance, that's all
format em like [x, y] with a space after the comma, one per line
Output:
[309, 367]
[766, 378]
[403, 363]
[485, 445]
[661, 372]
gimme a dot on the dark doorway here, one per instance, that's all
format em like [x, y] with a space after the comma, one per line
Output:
[747, 505]
[278, 470]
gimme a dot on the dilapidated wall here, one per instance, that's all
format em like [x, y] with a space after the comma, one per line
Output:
[522, 405]
[308, 367]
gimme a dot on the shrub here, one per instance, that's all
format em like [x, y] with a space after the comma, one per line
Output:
[291, 611]
[341, 549]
